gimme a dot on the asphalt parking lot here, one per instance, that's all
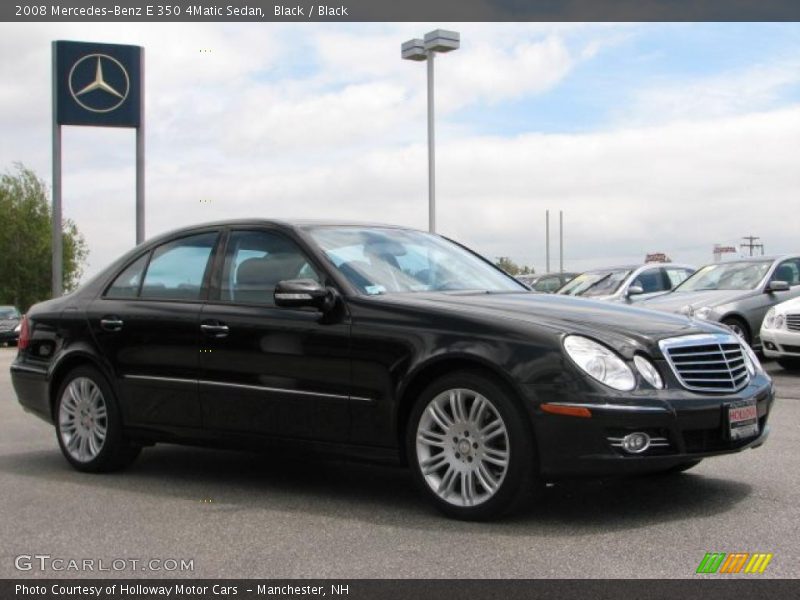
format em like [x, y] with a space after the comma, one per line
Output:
[242, 515]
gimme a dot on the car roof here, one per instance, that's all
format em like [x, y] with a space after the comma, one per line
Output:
[638, 266]
[745, 259]
[280, 223]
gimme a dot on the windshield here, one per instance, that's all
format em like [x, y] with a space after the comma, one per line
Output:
[596, 283]
[391, 261]
[726, 276]
[8, 312]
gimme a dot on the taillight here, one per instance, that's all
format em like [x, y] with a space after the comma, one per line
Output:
[24, 334]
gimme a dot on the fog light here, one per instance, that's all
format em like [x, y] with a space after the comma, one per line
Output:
[636, 443]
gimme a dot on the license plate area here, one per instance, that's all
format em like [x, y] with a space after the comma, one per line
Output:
[742, 418]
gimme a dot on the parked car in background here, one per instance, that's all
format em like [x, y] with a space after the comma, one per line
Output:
[780, 334]
[546, 283]
[627, 283]
[736, 293]
[9, 325]
[381, 343]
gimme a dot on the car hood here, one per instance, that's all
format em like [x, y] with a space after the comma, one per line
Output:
[608, 321]
[792, 305]
[7, 322]
[674, 301]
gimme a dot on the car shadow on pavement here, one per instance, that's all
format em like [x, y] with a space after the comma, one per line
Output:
[236, 481]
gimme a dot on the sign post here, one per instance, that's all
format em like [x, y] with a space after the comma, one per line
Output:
[99, 85]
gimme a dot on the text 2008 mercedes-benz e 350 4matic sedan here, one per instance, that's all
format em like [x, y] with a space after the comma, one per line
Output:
[382, 343]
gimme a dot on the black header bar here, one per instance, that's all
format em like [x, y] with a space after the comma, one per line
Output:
[450, 11]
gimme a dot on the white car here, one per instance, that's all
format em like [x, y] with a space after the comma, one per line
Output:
[780, 334]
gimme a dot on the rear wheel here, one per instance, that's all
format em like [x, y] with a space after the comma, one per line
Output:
[470, 449]
[89, 425]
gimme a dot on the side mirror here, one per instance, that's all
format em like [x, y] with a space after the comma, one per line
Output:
[300, 293]
[777, 286]
[635, 290]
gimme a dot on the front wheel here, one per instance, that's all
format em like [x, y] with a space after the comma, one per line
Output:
[470, 448]
[89, 424]
[739, 328]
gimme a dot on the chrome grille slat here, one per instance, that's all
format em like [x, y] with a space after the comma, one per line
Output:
[793, 322]
[716, 362]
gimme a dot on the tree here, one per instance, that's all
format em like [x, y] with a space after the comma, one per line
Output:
[512, 268]
[26, 241]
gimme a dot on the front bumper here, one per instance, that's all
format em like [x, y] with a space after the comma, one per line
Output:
[693, 426]
[778, 343]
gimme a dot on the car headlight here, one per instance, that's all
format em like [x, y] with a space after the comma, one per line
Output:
[648, 370]
[774, 319]
[703, 313]
[600, 363]
[18, 328]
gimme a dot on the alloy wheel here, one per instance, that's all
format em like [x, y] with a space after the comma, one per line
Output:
[462, 447]
[83, 419]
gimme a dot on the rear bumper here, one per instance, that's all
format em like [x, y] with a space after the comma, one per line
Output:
[691, 427]
[32, 388]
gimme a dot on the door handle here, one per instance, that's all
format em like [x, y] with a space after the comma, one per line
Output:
[217, 330]
[111, 323]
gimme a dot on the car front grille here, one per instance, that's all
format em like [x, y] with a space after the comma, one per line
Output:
[707, 362]
[793, 322]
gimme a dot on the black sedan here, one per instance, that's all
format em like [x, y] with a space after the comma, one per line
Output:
[379, 343]
[9, 325]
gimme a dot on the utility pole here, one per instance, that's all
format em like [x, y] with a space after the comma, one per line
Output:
[547, 238]
[751, 244]
[561, 241]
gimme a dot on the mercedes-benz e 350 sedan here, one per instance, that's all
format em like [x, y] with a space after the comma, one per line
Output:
[382, 343]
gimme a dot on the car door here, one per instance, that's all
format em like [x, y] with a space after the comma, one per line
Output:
[264, 369]
[146, 325]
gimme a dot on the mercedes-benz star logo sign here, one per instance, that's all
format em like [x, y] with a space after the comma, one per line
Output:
[99, 83]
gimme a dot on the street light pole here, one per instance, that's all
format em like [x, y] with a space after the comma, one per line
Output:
[431, 150]
[435, 41]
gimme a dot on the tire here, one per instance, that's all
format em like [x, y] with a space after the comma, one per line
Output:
[470, 448]
[739, 327]
[89, 424]
[790, 364]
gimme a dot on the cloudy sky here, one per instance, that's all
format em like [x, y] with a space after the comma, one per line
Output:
[650, 137]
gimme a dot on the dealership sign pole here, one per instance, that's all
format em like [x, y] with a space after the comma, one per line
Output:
[99, 85]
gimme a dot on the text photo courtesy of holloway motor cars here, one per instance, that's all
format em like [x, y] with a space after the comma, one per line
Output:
[335, 302]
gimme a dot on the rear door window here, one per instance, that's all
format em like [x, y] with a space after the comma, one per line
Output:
[177, 269]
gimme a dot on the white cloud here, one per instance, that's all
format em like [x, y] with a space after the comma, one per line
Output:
[337, 131]
[755, 88]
